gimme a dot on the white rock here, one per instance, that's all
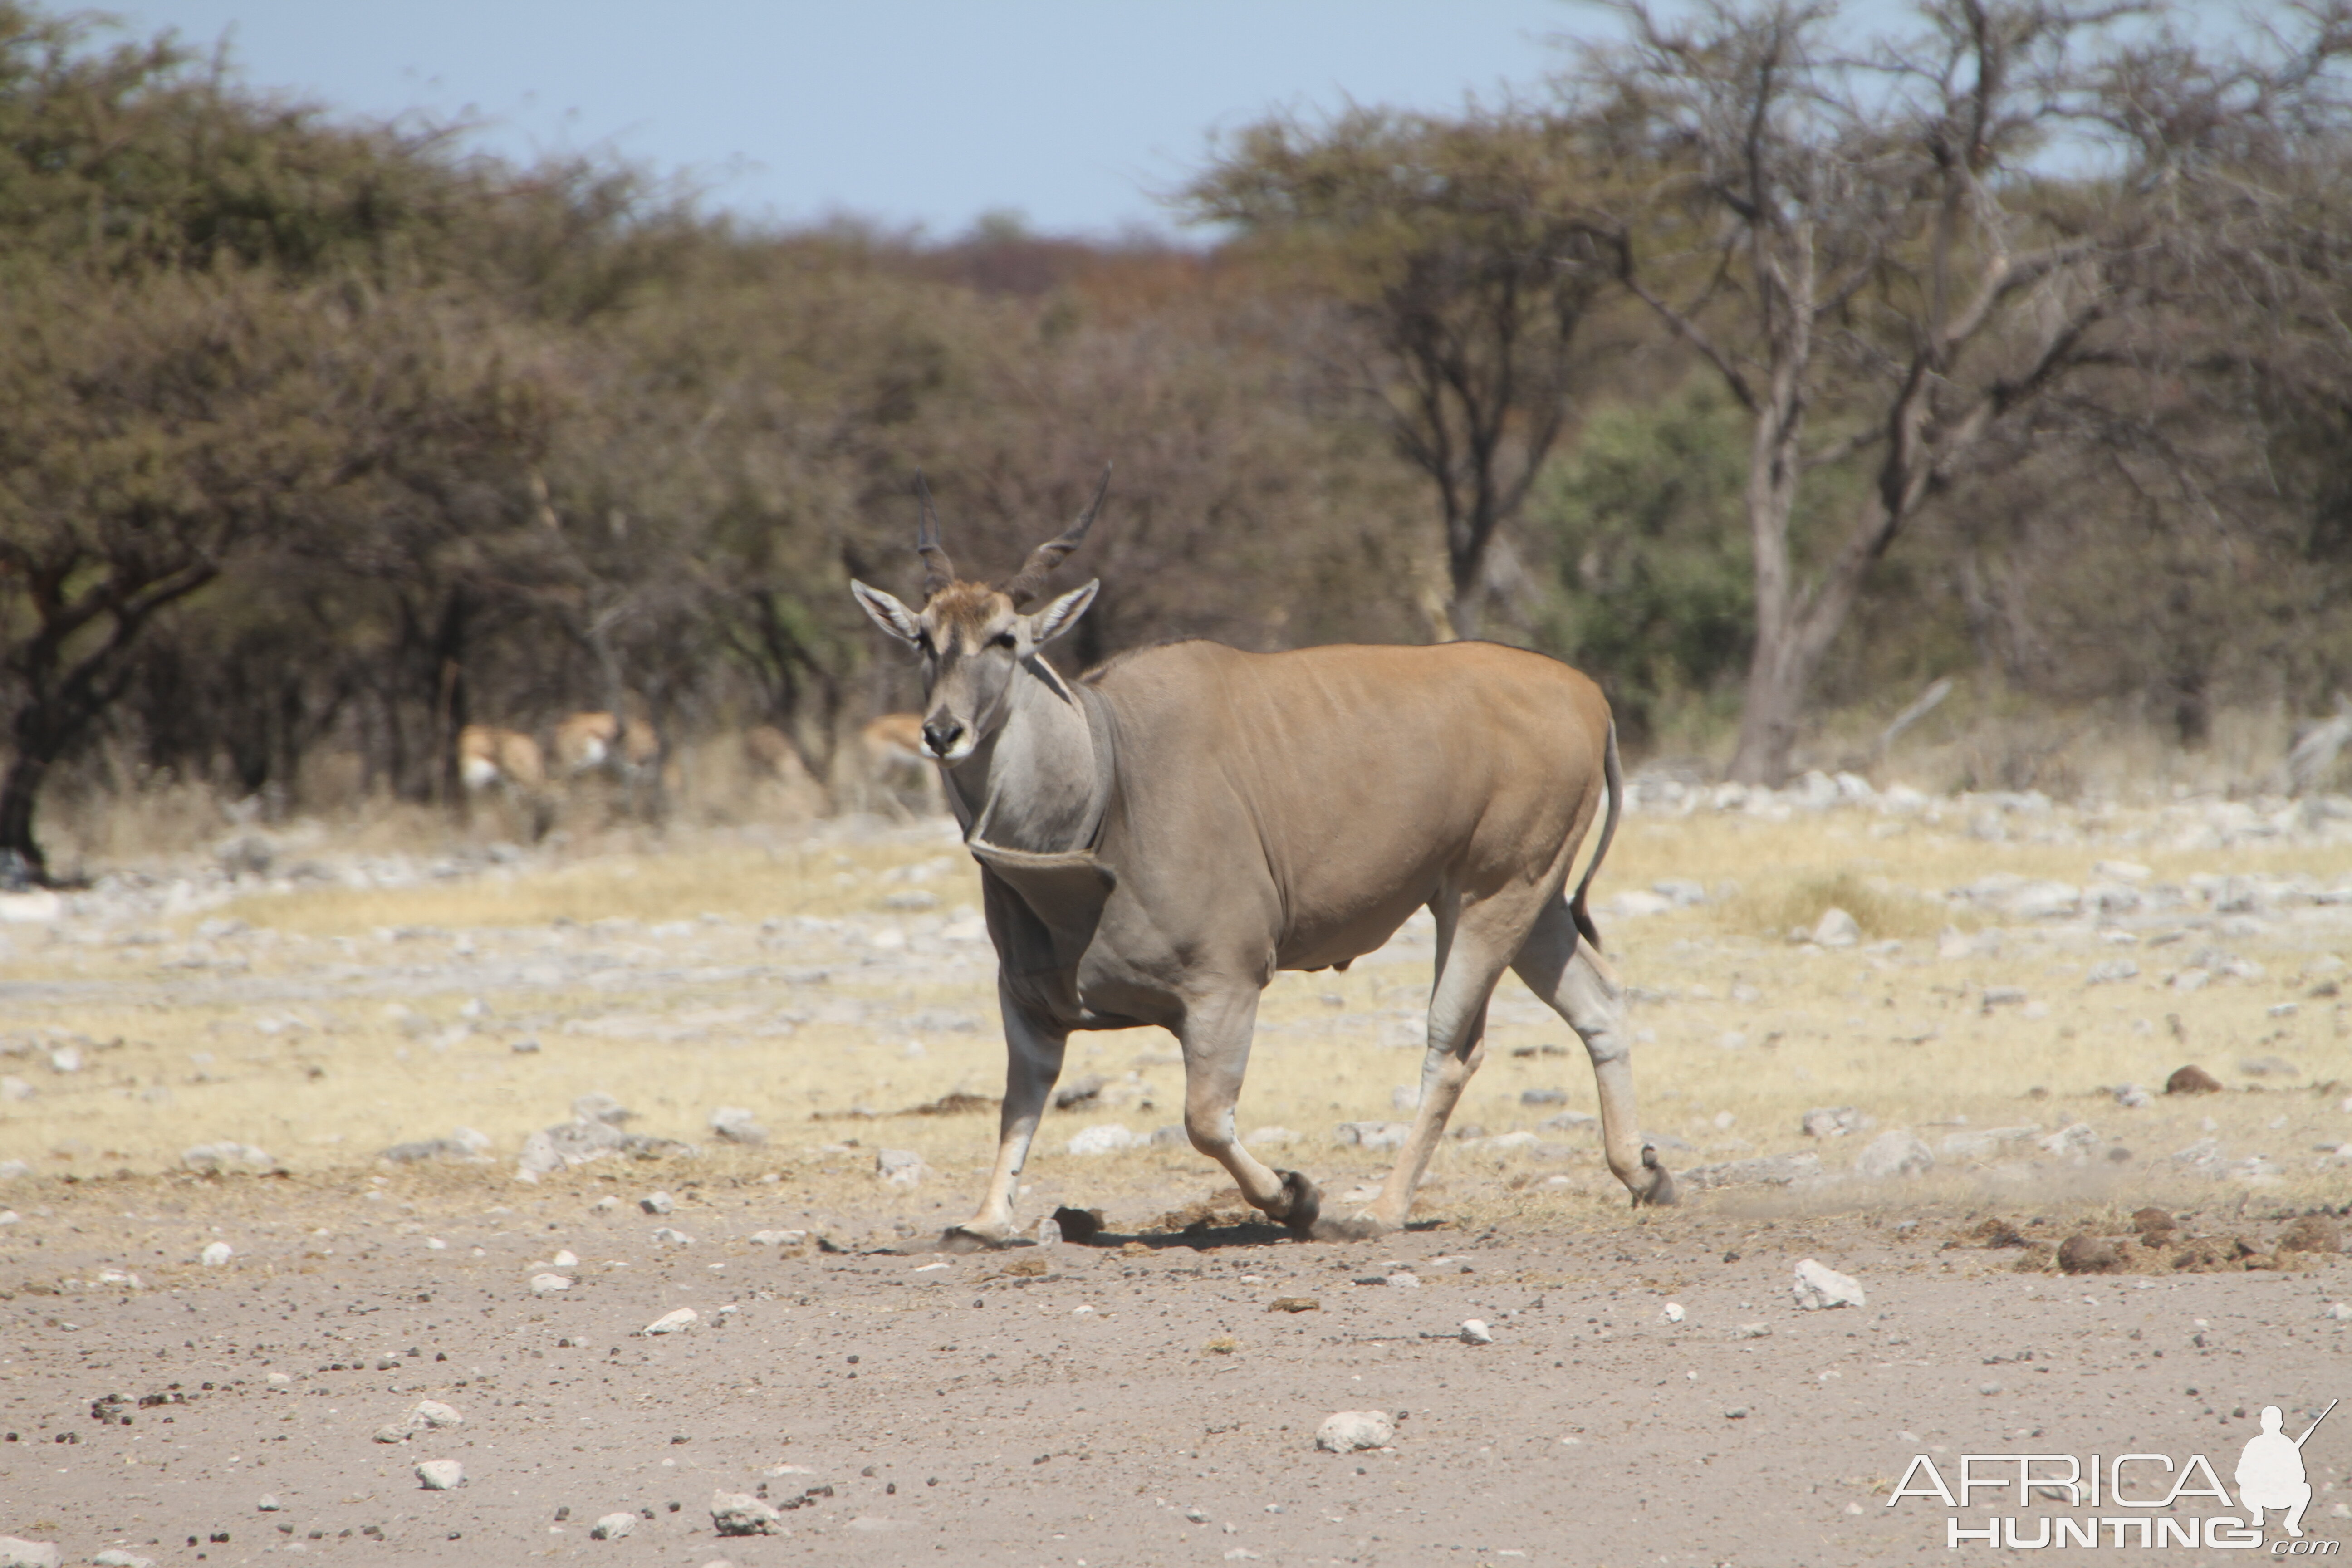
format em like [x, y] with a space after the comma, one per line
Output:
[215, 1254]
[1831, 1121]
[2132, 1097]
[1345, 1431]
[672, 1235]
[2074, 1139]
[676, 1322]
[566, 1259]
[1674, 1313]
[10, 1169]
[2339, 1312]
[1991, 1141]
[1896, 1153]
[1837, 928]
[441, 1475]
[15, 1089]
[778, 1238]
[270, 1504]
[432, 1413]
[34, 908]
[228, 1156]
[1634, 904]
[15, 1554]
[280, 1380]
[115, 1557]
[1107, 1139]
[1273, 1138]
[1373, 1135]
[903, 1167]
[658, 1203]
[66, 1059]
[613, 1526]
[1049, 1232]
[2111, 972]
[740, 1513]
[1818, 1285]
[1475, 1331]
[736, 1125]
[549, 1284]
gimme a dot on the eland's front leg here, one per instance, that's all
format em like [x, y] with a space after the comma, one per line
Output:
[1033, 1061]
[1215, 1036]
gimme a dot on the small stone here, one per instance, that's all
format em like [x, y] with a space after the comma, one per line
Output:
[1107, 1139]
[903, 1167]
[1293, 1304]
[1817, 1286]
[2111, 972]
[1831, 1121]
[1837, 928]
[2131, 1097]
[740, 1513]
[733, 1124]
[1473, 1331]
[672, 1237]
[215, 1254]
[676, 1322]
[778, 1238]
[1345, 1431]
[115, 1557]
[11, 1170]
[1899, 1152]
[606, 1205]
[2072, 1139]
[2002, 996]
[2338, 1311]
[1674, 1313]
[1755, 1330]
[226, 1158]
[567, 1258]
[441, 1475]
[1988, 1389]
[525, 1047]
[658, 1203]
[432, 1413]
[1373, 1135]
[613, 1526]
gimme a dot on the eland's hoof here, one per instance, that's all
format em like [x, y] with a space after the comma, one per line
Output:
[1301, 1204]
[1655, 1187]
[970, 1238]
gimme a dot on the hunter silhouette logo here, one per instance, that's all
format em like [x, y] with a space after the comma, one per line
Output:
[2270, 1472]
[2270, 1477]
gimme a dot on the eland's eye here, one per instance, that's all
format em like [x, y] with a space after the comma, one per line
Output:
[1002, 639]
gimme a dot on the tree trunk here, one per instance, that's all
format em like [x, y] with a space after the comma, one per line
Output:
[19, 793]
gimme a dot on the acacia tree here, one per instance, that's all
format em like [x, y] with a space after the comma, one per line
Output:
[1464, 255]
[1902, 255]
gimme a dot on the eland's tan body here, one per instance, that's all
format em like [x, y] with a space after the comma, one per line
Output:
[1160, 837]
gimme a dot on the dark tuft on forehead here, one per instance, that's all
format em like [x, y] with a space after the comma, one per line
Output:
[966, 606]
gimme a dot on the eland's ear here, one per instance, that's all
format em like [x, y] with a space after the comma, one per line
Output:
[888, 614]
[1062, 614]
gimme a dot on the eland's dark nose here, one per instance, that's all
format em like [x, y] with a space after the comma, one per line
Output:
[941, 734]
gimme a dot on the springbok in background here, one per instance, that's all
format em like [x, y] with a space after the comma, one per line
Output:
[585, 743]
[1159, 838]
[894, 764]
[509, 761]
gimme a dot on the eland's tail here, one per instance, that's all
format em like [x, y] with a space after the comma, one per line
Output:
[1614, 777]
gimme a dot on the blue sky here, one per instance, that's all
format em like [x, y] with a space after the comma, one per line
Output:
[931, 112]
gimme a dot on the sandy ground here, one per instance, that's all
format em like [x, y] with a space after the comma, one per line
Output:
[1140, 1400]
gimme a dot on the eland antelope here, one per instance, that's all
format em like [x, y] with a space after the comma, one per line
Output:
[1161, 836]
[511, 763]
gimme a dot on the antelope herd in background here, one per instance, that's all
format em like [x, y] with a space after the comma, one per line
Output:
[885, 772]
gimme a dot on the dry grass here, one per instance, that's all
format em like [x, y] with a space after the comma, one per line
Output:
[345, 1030]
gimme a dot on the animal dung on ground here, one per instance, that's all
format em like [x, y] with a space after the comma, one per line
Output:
[2191, 1080]
[1079, 1227]
[1819, 1287]
[1293, 1304]
[440, 1474]
[2091, 1254]
[1346, 1431]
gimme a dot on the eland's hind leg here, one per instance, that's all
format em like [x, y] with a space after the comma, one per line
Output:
[1566, 971]
[1472, 950]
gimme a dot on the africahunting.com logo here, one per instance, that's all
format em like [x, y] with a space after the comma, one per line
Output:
[2274, 1488]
